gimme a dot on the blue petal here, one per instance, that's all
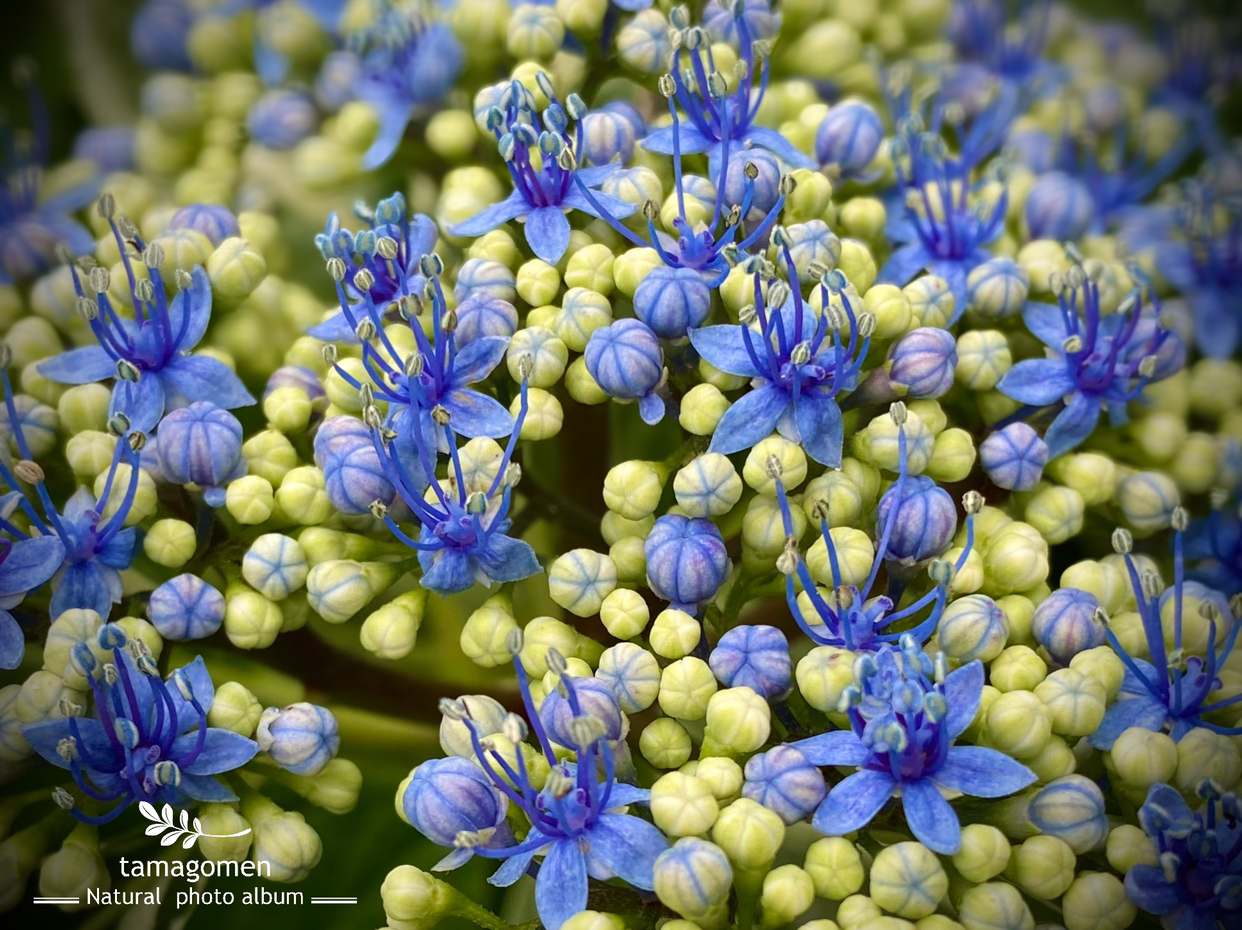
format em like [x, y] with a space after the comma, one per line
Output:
[982, 773]
[615, 206]
[724, 347]
[12, 642]
[561, 888]
[86, 585]
[142, 401]
[30, 563]
[1147, 887]
[198, 377]
[190, 311]
[624, 847]
[46, 735]
[775, 142]
[749, 419]
[930, 817]
[1143, 711]
[1037, 381]
[514, 205]
[204, 788]
[547, 233]
[270, 65]
[852, 803]
[903, 265]
[623, 794]
[223, 751]
[517, 864]
[651, 408]
[195, 674]
[475, 361]
[963, 688]
[690, 140]
[394, 117]
[118, 552]
[473, 415]
[78, 366]
[1072, 425]
[450, 571]
[836, 747]
[821, 428]
[1047, 323]
[509, 559]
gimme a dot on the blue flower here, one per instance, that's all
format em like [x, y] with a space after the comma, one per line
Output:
[686, 560]
[148, 354]
[33, 221]
[904, 718]
[541, 197]
[1172, 690]
[1214, 544]
[1094, 361]
[24, 565]
[1197, 884]
[148, 740]
[1009, 49]
[718, 118]
[798, 364]
[576, 819]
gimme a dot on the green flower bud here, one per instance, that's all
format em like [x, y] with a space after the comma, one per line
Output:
[825, 49]
[891, 308]
[145, 500]
[13, 746]
[1074, 701]
[763, 528]
[1103, 665]
[823, 674]
[1055, 760]
[1042, 866]
[701, 409]
[414, 899]
[908, 880]
[1097, 901]
[1100, 579]
[235, 268]
[47, 392]
[971, 628]
[582, 312]
[788, 893]
[1092, 475]
[983, 358]
[335, 787]
[170, 543]
[984, 854]
[282, 839]
[1142, 758]
[451, 134]
[269, 454]
[1056, 512]
[41, 695]
[1040, 259]
[665, 743]
[1159, 435]
[682, 805]
[391, 631]
[1129, 846]
[857, 911]
[32, 339]
[581, 386]
[1146, 500]
[738, 721]
[580, 579]
[542, 634]
[862, 218]
[486, 632]
[686, 688]
[340, 392]
[1072, 809]
[842, 496]
[320, 544]
[630, 558]
[931, 300]
[235, 708]
[719, 379]
[810, 198]
[1020, 613]
[534, 32]
[877, 443]
[590, 268]
[633, 488]
[546, 352]
[275, 566]
[790, 465]
[835, 867]
[994, 906]
[83, 407]
[1013, 562]
[694, 878]
[1017, 669]
[855, 552]
[625, 615]
[537, 282]
[250, 500]
[288, 409]
[338, 589]
[321, 163]
[67, 630]
[544, 415]
[674, 634]
[750, 834]
[303, 496]
[953, 456]
[90, 453]
[722, 775]
[1018, 724]
[709, 486]
[75, 867]
[594, 920]
[251, 621]
[631, 266]
[1202, 754]
[222, 820]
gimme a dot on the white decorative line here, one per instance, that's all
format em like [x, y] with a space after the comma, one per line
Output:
[163, 820]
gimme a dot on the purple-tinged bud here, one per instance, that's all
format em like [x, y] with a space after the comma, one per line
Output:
[686, 560]
[445, 797]
[849, 137]
[596, 699]
[298, 376]
[923, 361]
[186, 607]
[215, 222]
[925, 523]
[158, 35]
[201, 444]
[1058, 207]
[302, 738]
[784, 782]
[767, 181]
[672, 300]
[1014, 457]
[756, 657]
[1068, 621]
[481, 315]
[335, 82]
[353, 475]
[607, 135]
[281, 118]
[626, 360]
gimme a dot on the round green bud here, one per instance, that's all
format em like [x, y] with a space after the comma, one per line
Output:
[303, 496]
[83, 407]
[855, 553]
[722, 775]
[701, 409]
[826, 48]
[235, 708]
[931, 300]
[545, 351]
[1159, 435]
[625, 614]
[32, 339]
[838, 492]
[451, 134]
[686, 688]
[891, 308]
[544, 416]
[1017, 668]
[321, 163]
[235, 269]
[857, 911]
[1103, 665]
[251, 621]
[13, 746]
[953, 456]
[1097, 901]
[71, 627]
[693, 878]
[908, 880]
[580, 579]
[1072, 809]
[862, 218]
[749, 833]
[534, 32]
[930, 412]
[712, 375]
[582, 312]
[1129, 846]
[665, 743]
[983, 358]
[1091, 474]
[790, 464]
[542, 634]
[341, 394]
[221, 823]
[335, 787]
[994, 906]
[288, 409]
[287, 843]
[1196, 463]
[823, 674]
[984, 854]
[1018, 724]
[1055, 760]
[1075, 702]
[594, 920]
[581, 386]
[1020, 612]
[1100, 579]
[738, 721]
[1042, 866]
[631, 266]
[787, 893]
[709, 486]
[972, 627]
[763, 527]
[485, 634]
[877, 443]
[537, 282]
[144, 502]
[630, 558]
[1142, 758]
[391, 631]
[250, 500]
[591, 268]
[613, 526]
[1040, 259]
[170, 543]
[47, 392]
[1013, 562]
[682, 805]
[810, 198]
[338, 588]
[674, 634]
[1202, 754]
[269, 454]
[835, 866]
[633, 488]
[1056, 512]
[414, 899]
[495, 246]
[633, 674]
[1147, 500]
[41, 695]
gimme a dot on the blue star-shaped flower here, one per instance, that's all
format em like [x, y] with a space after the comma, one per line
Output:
[148, 739]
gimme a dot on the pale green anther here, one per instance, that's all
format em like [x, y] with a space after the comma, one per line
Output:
[667, 85]
[183, 685]
[153, 256]
[431, 265]
[526, 134]
[1151, 584]
[336, 269]
[1056, 282]
[365, 330]
[1147, 366]
[495, 118]
[954, 113]
[545, 84]
[118, 424]
[99, 279]
[935, 706]
[585, 731]
[556, 662]
[695, 37]
[363, 279]
[716, 85]
[734, 216]
[897, 410]
[87, 309]
[126, 733]
[137, 441]
[147, 665]
[787, 185]
[1073, 253]
[414, 365]
[835, 317]
[787, 561]
[567, 160]
[440, 415]
[941, 572]
[513, 642]
[68, 709]
[679, 16]
[558, 784]
[387, 247]
[1169, 864]
[467, 839]
[1123, 541]
[378, 509]
[550, 144]
[63, 799]
[514, 728]
[167, 773]
[1072, 344]
[476, 504]
[747, 315]
[127, 227]
[834, 280]
[29, 472]
[940, 667]
[453, 709]
[575, 106]
[778, 294]
[801, 353]
[67, 749]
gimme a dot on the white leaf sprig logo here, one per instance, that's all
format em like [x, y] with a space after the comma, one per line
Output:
[163, 820]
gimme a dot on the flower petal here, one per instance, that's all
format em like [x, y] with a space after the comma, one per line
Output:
[963, 688]
[930, 817]
[821, 428]
[982, 773]
[852, 803]
[547, 233]
[514, 205]
[1037, 381]
[1072, 425]
[724, 347]
[190, 310]
[836, 747]
[625, 847]
[561, 888]
[84, 585]
[142, 401]
[223, 751]
[904, 265]
[475, 361]
[473, 415]
[1046, 322]
[12, 641]
[750, 418]
[509, 559]
[78, 366]
[30, 563]
[395, 116]
[1144, 711]
[515, 866]
[197, 377]
[204, 788]
[1147, 887]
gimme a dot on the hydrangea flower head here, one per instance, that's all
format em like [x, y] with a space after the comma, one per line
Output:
[148, 740]
[905, 715]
